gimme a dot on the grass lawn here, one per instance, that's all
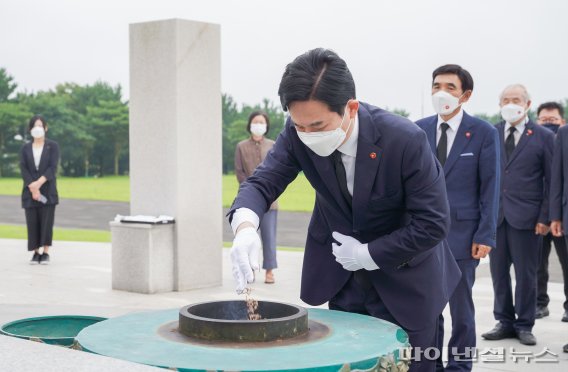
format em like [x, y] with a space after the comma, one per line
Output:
[76, 235]
[104, 188]
[72, 235]
[298, 197]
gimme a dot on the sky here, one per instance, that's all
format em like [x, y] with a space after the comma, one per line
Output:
[390, 46]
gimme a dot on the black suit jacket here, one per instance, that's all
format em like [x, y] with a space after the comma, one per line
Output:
[47, 168]
[525, 178]
[559, 184]
[400, 209]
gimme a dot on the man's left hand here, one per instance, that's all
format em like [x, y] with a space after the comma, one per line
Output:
[352, 254]
[479, 251]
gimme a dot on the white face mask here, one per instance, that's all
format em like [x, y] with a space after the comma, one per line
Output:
[326, 142]
[37, 132]
[512, 113]
[258, 129]
[444, 103]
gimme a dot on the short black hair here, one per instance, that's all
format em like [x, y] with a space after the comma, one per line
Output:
[35, 118]
[256, 113]
[321, 75]
[463, 75]
[551, 106]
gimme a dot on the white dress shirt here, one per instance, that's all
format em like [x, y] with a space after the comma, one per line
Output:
[348, 153]
[519, 132]
[454, 124]
[37, 155]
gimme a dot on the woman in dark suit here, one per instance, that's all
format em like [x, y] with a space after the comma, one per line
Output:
[38, 165]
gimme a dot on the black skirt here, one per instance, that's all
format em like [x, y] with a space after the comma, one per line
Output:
[40, 226]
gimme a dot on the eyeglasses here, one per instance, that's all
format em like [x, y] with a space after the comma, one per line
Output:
[549, 119]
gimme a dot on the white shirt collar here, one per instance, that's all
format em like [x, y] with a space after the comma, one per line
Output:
[350, 146]
[520, 127]
[454, 122]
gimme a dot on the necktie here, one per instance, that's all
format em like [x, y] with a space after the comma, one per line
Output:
[510, 142]
[442, 150]
[341, 176]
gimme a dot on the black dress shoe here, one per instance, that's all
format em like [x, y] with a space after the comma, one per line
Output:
[565, 348]
[565, 316]
[499, 332]
[526, 337]
[541, 312]
[35, 259]
[44, 259]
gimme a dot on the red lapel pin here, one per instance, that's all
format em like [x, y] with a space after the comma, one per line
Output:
[467, 134]
[529, 132]
[373, 155]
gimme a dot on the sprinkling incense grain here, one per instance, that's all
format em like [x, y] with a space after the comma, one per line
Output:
[252, 306]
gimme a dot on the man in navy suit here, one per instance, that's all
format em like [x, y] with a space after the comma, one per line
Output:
[551, 115]
[526, 156]
[559, 190]
[376, 241]
[468, 149]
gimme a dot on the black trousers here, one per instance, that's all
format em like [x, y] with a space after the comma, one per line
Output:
[542, 298]
[40, 226]
[520, 248]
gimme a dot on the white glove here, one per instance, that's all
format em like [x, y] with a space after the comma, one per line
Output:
[351, 254]
[244, 257]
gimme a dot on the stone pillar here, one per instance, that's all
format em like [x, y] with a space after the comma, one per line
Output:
[176, 139]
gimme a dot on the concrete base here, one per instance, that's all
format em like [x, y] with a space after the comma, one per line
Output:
[22, 355]
[142, 257]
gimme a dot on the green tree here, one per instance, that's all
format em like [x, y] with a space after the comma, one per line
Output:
[230, 113]
[401, 112]
[12, 115]
[65, 126]
[235, 122]
[7, 85]
[110, 121]
[492, 119]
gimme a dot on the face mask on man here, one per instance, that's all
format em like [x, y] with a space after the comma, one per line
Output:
[444, 103]
[326, 142]
[258, 129]
[553, 127]
[37, 132]
[512, 113]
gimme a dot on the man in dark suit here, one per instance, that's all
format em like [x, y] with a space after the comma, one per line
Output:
[551, 115]
[375, 242]
[526, 156]
[468, 149]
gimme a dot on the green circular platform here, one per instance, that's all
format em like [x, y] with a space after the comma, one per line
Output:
[54, 330]
[350, 341]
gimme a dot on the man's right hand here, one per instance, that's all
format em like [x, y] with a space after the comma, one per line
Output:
[244, 256]
[556, 228]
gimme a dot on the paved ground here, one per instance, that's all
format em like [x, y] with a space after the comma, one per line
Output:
[85, 214]
[79, 282]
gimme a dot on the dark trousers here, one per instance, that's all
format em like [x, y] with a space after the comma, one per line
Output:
[521, 248]
[542, 298]
[39, 221]
[268, 236]
[462, 310]
[359, 296]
